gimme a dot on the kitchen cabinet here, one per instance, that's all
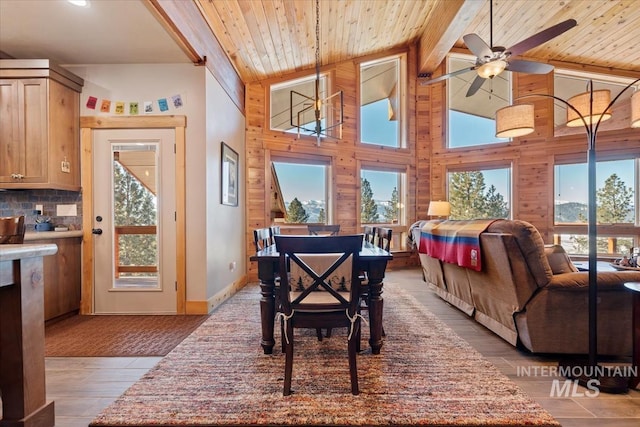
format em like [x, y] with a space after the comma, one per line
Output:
[62, 272]
[39, 126]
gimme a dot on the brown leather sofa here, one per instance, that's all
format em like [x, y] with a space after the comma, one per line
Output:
[531, 295]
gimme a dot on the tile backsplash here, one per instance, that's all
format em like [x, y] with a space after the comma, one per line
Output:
[23, 202]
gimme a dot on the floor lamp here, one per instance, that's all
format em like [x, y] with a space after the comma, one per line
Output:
[589, 109]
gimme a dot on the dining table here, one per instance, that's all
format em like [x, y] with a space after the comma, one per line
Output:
[373, 262]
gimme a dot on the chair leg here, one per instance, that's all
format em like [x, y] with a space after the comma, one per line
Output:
[328, 333]
[353, 368]
[319, 334]
[288, 363]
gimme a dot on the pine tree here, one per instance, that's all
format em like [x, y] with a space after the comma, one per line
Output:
[614, 201]
[321, 216]
[495, 206]
[466, 195]
[134, 205]
[368, 208]
[296, 213]
[391, 210]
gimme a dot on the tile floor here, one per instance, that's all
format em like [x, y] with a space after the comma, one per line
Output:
[81, 387]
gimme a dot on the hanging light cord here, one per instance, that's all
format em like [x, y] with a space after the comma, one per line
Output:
[317, 100]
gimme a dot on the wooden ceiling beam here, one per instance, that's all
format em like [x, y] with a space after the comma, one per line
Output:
[451, 18]
[185, 22]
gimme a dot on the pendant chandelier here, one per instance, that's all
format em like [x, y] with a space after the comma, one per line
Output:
[322, 117]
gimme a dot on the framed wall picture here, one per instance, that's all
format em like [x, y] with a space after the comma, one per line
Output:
[229, 176]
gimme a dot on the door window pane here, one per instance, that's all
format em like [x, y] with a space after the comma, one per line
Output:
[135, 215]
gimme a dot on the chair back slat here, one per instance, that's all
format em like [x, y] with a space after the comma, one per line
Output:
[262, 238]
[323, 229]
[384, 237]
[12, 229]
[369, 233]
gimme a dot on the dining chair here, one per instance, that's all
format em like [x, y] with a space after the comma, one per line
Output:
[321, 290]
[369, 233]
[12, 229]
[262, 238]
[384, 237]
[324, 229]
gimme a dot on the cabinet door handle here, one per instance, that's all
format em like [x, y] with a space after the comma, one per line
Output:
[17, 176]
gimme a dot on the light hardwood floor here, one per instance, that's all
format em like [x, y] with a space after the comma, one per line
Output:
[82, 387]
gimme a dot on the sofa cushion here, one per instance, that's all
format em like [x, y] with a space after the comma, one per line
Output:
[531, 245]
[559, 259]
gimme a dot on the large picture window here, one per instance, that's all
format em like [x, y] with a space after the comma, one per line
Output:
[480, 193]
[471, 120]
[616, 206]
[382, 101]
[570, 83]
[285, 107]
[382, 197]
[304, 187]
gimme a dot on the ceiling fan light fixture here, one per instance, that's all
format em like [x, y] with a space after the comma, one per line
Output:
[635, 109]
[492, 68]
[515, 120]
[589, 112]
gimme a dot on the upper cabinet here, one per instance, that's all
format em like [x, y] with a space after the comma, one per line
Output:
[39, 126]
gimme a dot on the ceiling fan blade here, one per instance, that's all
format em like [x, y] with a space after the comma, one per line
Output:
[541, 37]
[531, 67]
[477, 83]
[446, 76]
[477, 46]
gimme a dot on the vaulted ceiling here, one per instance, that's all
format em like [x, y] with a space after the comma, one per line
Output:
[270, 38]
[274, 37]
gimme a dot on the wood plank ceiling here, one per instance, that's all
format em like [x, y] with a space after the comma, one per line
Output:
[271, 38]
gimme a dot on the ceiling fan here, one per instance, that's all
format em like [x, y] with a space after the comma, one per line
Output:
[492, 60]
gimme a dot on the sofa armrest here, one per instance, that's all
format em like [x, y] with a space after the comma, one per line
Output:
[579, 281]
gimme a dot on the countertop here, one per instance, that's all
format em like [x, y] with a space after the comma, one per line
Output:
[42, 235]
[11, 252]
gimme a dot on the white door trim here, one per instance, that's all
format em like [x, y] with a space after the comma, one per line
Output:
[87, 125]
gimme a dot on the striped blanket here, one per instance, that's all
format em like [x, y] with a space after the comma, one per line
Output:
[456, 242]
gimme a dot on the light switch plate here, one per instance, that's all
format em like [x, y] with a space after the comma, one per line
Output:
[65, 167]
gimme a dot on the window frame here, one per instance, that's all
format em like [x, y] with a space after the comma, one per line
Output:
[329, 80]
[482, 166]
[308, 159]
[609, 231]
[447, 116]
[402, 133]
[614, 83]
[403, 171]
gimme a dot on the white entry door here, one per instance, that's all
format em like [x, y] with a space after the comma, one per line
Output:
[134, 224]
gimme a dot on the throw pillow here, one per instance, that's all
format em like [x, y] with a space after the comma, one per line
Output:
[559, 259]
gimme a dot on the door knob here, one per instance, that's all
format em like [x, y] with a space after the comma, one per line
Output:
[96, 230]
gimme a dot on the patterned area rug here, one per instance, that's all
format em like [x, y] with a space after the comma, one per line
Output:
[118, 336]
[425, 375]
